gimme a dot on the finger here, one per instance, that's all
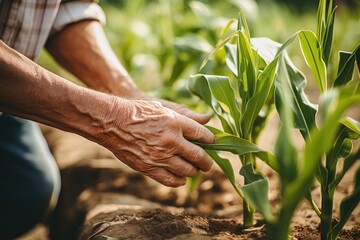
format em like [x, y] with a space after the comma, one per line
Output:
[195, 155]
[200, 118]
[195, 131]
[165, 177]
[181, 167]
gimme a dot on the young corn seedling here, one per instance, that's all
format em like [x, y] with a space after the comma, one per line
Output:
[317, 49]
[296, 171]
[235, 101]
[242, 101]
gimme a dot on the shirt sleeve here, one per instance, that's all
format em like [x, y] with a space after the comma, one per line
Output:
[74, 11]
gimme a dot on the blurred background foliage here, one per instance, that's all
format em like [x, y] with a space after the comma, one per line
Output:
[162, 42]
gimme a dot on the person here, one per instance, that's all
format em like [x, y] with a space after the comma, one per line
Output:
[148, 134]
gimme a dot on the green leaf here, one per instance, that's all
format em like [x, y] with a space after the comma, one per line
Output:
[285, 150]
[223, 92]
[266, 48]
[320, 142]
[250, 174]
[226, 167]
[346, 66]
[199, 86]
[219, 45]
[231, 59]
[256, 195]
[257, 101]
[239, 146]
[313, 205]
[326, 44]
[347, 206]
[303, 110]
[348, 163]
[242, 25]
[321, 19]
[312, 52]
[348, 131]
[352, 125]
[246, 68]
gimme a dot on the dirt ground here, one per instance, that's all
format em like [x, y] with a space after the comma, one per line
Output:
[103, 199]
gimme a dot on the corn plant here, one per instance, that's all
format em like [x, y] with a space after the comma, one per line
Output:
[317, 49]
[332, 138]
[242, 101]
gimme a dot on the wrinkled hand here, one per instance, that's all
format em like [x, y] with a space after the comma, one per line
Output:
[200, 118]
[153, 139]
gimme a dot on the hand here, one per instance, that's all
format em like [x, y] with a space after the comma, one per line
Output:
[152, 139]
[200, 118]
[138, 94]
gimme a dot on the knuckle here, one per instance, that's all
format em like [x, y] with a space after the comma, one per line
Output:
[190, 171]
[198, 132]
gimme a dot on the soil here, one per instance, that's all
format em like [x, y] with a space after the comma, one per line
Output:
[103, 199]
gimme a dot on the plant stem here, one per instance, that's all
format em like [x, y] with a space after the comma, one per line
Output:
[248, 216]
[326, 214]
[327, 199]
[277, 231]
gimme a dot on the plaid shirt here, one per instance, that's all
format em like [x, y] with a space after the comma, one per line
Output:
[25, 25]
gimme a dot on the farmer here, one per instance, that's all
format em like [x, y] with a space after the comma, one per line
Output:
[148, 134]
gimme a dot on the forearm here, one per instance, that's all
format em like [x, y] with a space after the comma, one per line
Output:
[83, 49]
[31, 92]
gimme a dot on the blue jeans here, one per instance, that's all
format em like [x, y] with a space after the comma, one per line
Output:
[29, 177]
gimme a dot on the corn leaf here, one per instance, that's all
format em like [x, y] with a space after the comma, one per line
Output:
[231, 58]
[238, 146]
[242, 25]
[285, 151]
[250, 174]
[226, 167]
[347, 206]
[246, 70]
[313, 205]
[303, 110]
[266, 48]
[352, 125]
[256, 195]
[320, 26]
[312, 52]
[199, 86]
[224, 93]
[327, 43]
[348, 163]
[349, 130]
[320, 142]
[257, 101]
[218, 46]
[346, 66]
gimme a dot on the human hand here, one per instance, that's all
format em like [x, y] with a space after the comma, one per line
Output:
[181, 109]
[153, 139]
